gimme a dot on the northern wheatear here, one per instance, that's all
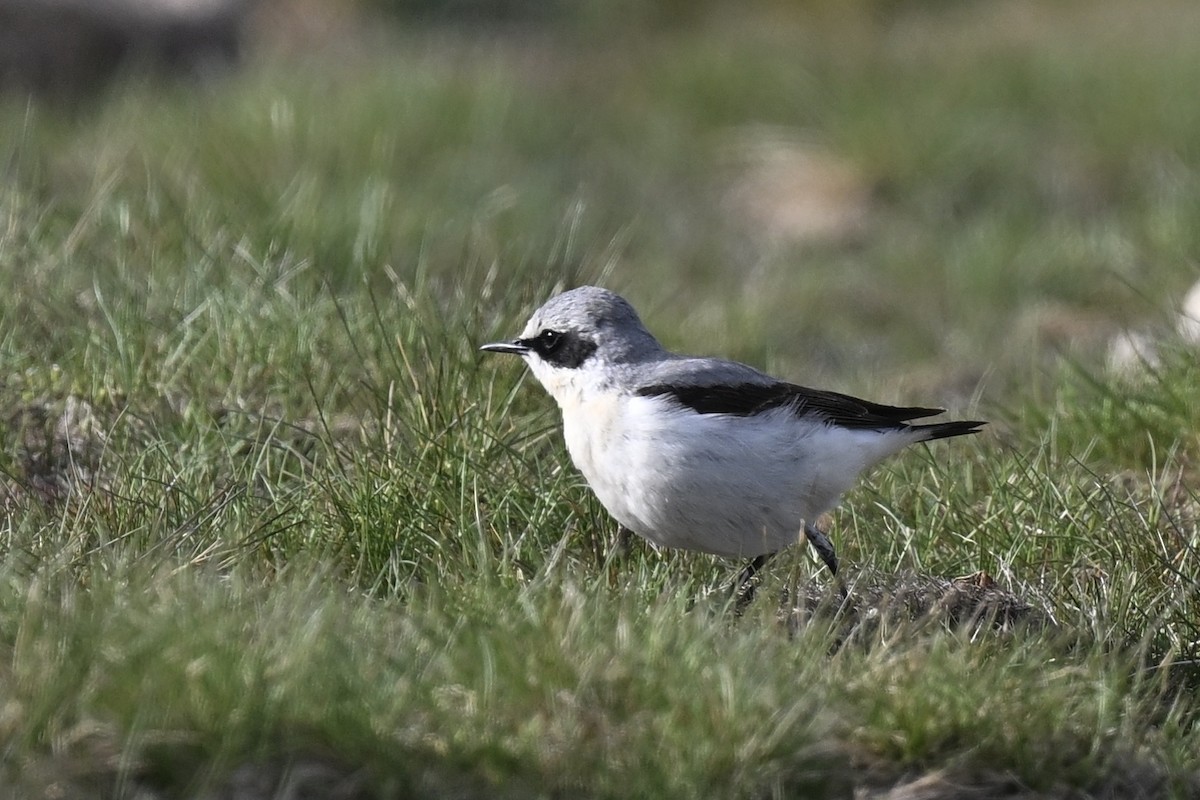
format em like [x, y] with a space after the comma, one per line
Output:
[701, 453]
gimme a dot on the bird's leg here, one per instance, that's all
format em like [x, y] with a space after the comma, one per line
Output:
[746, 584]
[622, 544]
[820, 542]
[619, 552]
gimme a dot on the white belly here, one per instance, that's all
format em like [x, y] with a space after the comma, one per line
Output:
[733, 486]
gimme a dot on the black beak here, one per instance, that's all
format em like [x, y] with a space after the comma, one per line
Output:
[516, 347]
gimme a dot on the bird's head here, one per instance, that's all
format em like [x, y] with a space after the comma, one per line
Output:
[579, 337]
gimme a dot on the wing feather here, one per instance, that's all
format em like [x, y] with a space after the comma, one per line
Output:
[748, 399]
[712, 386]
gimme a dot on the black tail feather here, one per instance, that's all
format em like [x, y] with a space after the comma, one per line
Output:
[944, 430]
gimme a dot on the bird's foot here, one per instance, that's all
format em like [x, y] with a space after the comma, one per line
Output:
[622, 544]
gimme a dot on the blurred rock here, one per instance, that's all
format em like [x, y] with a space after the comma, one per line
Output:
[1188, 325]
[1130, 353]
[75, 46]
[796, 192]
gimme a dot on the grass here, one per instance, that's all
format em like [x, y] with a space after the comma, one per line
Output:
[269, 517]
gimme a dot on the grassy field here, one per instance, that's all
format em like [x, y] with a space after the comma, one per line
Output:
[271, 525]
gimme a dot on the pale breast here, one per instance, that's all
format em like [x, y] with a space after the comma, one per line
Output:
[593, 428]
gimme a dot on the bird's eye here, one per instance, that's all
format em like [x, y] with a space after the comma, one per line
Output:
[548, 340]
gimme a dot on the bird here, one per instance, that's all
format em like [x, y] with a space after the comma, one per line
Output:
[701, 453]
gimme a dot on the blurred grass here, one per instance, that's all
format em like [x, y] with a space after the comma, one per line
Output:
[262, 499]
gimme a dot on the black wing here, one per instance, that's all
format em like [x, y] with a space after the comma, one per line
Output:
[748, 399]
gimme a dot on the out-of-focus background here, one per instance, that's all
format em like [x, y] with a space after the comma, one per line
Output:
[944, 186]
[271, 527]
